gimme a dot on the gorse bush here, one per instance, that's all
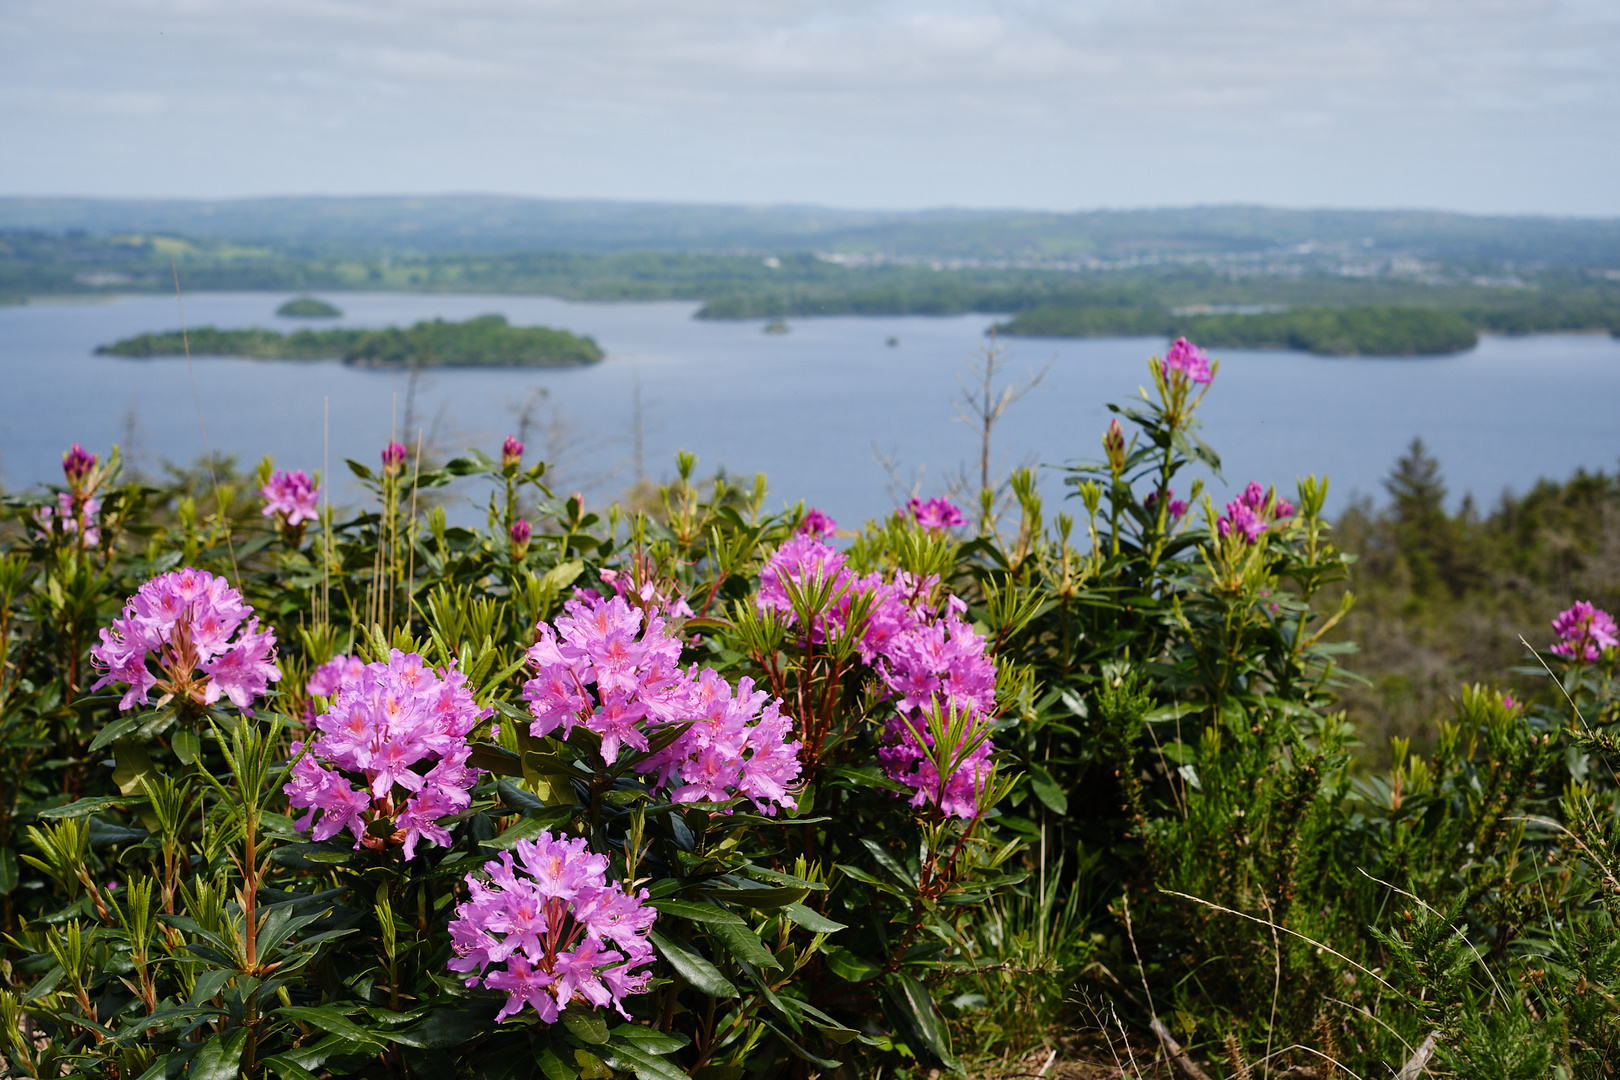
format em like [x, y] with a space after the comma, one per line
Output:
[704, 793]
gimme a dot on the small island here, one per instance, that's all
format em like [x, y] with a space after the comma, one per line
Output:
[1325, 331]
[487, 341]
[308, 307]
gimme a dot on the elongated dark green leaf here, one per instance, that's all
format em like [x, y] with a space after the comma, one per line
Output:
[889, 862]
[692, 966]
[92, 806]
[849, 967]
[446, 1027]
[792, 1044]
[288, 1070]
[587, 1026]
[117, 730]
[646, 1066]
[553, 1066]
[744, 944]
[8, 870]
[328, 1019]
[532, 824]
[209, 983]
[696, 911]
[1047, 790]
[220, 1057]
[812, 920]
[650, 1039]
[763, 898]
[914, 1008]
[185, 744]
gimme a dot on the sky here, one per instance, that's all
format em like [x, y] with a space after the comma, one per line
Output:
[1487, 106]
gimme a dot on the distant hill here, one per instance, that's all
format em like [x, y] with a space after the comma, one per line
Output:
[488, 223]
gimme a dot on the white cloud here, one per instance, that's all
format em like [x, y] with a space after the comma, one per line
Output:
[1356, 102]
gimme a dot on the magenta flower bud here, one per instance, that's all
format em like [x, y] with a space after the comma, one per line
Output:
[393, 458]
[77, 465]
[520, 538]
[1114, 447]
[511, 451]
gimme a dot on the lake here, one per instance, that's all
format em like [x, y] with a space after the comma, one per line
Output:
[814, 408]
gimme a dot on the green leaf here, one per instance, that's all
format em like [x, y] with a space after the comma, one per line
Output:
[210, 983]
[696, 911]
[134, 766]
[446, 1027]
[693, 967]
[585, 1026]
[889, 862]
[651, 1039]
[309, 856]
[849, 967]
[554, 1067]
[744, 944]
[91, 806]
[1047, 790]
[812, 920]
[329, 1019]
[529, 826]
[914, 1008]
[116, 730]
[187, 746]
[646, 1066]
[289, 1070]
[220, 1057]
[8, 870]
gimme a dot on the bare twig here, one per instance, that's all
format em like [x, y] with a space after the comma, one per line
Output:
[1176, 1053]
[1420, 1060]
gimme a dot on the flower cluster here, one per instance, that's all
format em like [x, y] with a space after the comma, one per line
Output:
[613, 669]
[1174, 510]
[1584, 632]
[931, 665]
[1253, 512]
[73, 515]
[326, 679]
[400, 728]
[293, 496]
[553, 929]
[186, 620]
[817, 524]
[935, 513]
[1189, 361]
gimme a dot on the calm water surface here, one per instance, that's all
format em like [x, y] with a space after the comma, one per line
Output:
[813, 408]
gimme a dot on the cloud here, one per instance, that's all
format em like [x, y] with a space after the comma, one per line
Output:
[1365, 102]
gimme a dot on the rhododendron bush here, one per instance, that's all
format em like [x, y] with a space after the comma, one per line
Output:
[301, 791]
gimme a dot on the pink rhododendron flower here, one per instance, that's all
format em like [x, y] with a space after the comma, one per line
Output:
[326, 679]
[291, 495]
[186, 620]
[397, 729]
[648, 596]
[935, 513]
[817, 524]
[614, 669]
[931, 663]
[549, 930]
[1190, 361]
[511, 451]
[72, 519]
[1253, 512]
[1173, 511]
[1585, 631]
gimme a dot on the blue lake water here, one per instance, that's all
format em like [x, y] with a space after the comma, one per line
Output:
[813, 408]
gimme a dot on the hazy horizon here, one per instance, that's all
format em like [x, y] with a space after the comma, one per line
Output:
[1509, 107]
